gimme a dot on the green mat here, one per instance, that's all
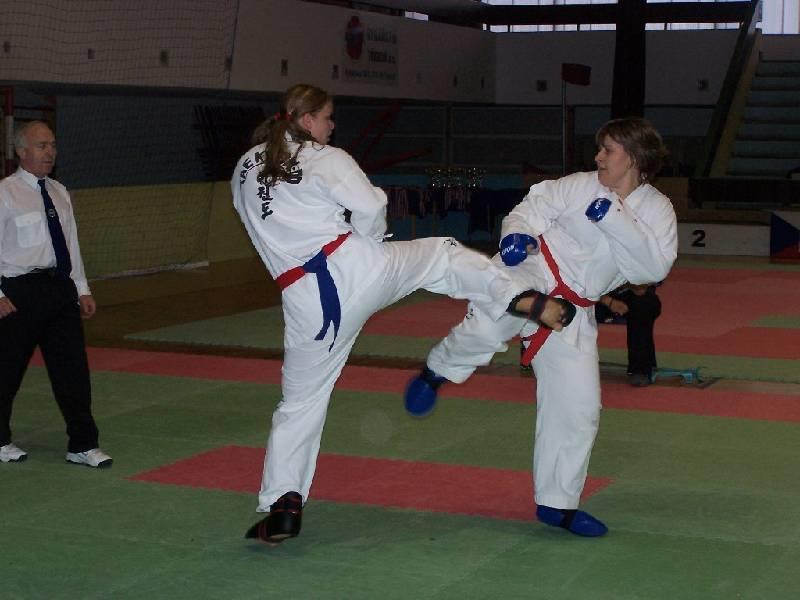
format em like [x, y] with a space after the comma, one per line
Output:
[263, 330]
[781, 322]
[691, 509]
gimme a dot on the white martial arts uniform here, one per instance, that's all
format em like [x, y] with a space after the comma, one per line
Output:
[288, 225]
[635, 242]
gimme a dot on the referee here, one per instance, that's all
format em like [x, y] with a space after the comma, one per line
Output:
[43, 296]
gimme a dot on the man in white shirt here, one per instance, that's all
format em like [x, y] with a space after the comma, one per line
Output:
[43, 296]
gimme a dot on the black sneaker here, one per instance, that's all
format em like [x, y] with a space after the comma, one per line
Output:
[282, 522]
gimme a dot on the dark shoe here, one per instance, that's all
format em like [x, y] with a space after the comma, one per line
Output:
[524, 369]
[282, 522]
[639, 379]
[420, 396]
[575, 521]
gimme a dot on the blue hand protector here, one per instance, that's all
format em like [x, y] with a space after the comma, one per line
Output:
[514, 248]
[598, 209]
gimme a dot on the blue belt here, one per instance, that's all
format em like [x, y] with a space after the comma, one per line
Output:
[328, 294]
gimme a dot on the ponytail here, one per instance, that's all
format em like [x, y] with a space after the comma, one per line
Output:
[298, 101]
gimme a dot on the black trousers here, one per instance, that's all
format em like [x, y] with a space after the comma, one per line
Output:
[640, 321]
[48, 316]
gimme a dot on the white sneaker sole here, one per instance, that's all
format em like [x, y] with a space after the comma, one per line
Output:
[77, 461]
[14, 460]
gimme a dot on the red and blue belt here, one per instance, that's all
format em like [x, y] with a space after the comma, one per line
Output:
[328, 294]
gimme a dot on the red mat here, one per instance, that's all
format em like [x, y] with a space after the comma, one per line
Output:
[431, 318]
[436, 487]
[682, 400]
[705, 311]
[753, 342]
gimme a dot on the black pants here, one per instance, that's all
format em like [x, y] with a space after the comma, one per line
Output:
[48, 316]
[640, 321]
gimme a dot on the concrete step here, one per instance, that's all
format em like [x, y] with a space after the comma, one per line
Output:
[773, 98]
[757, 130]
[778, 68]
[761, 167]
[785, 83]
[772, 114]
[788, 149]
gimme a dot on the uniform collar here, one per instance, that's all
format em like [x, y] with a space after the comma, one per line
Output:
[611, 195]
[29, 178]
[634, 193]
[638, 191]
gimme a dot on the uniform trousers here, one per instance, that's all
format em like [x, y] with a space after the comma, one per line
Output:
[47, 315]
[643, 310]
[369, 276]
[567, 396]
[640, 322]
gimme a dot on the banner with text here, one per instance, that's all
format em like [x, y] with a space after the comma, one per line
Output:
[370, 52]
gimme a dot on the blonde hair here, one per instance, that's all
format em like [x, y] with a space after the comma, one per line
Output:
[298, 100]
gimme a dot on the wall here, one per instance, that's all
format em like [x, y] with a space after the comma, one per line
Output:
[227, 237]
[781, 47]
[672, 65]
[312, 38]
[126, 140]
[523, 59]
[137, 229]
[677, 60]
[126, 112]
[229, 44]
[118, 42]
[239, 46]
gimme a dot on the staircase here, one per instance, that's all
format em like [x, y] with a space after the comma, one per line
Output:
[768, 141]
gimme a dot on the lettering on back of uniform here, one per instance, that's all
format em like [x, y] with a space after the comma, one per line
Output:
[295, 176]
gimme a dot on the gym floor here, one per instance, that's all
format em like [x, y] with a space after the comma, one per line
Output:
[697, 483]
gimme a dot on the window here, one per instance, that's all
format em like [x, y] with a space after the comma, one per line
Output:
[777, 17]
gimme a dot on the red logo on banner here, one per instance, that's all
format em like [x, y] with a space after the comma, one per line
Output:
[354, 38]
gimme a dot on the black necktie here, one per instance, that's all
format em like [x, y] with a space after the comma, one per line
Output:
[63, 263]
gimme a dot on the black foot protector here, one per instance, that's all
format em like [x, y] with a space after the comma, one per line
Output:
[282, 522]
[539, 303]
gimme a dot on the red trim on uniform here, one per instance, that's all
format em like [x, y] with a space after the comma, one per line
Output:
[537, 340]
[287, 278]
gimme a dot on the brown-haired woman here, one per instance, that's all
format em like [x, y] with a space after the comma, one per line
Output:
[292, 190]
[592, 233]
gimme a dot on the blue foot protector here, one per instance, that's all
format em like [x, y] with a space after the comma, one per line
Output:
[576, 521]
[420, 396]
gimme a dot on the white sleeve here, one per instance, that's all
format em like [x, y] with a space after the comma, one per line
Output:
[78, 273]
[644, 246]
[541, 206]
[349, 186]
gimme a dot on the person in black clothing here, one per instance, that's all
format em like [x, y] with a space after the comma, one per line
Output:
[43, 296]
[640, 306]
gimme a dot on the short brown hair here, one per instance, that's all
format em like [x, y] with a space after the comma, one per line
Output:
[641, 141]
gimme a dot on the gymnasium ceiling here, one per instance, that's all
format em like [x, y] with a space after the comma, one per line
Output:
[476, 13]
[442, 8]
